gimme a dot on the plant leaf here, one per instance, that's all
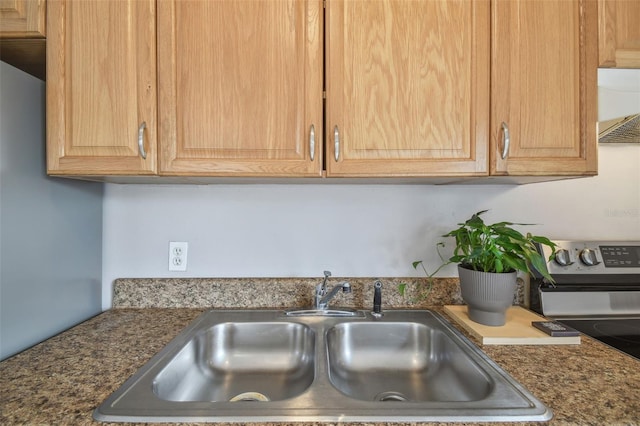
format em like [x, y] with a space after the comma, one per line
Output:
[402, 288]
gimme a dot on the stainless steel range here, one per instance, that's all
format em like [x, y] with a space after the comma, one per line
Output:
[596, 291]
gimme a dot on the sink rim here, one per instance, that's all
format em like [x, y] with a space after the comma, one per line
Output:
[321, 402]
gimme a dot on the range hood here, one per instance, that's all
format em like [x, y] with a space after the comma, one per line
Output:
[620, 130]
[618, 105]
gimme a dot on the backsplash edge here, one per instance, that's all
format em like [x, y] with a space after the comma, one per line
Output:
[281, 293]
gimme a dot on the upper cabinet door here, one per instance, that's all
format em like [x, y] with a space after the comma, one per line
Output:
[22, 18]
[544, 87]
[101, 87]
[407, 88]
[240, 89]
[619, 33]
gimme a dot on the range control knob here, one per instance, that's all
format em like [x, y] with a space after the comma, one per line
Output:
[588, 257]
[563, 257]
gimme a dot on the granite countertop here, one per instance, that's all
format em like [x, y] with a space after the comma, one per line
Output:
[62, 380]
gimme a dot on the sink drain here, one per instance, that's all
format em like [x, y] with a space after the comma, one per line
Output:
[250, 397]
[390, 396]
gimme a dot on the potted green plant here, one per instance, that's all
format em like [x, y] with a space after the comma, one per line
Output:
[488, 258]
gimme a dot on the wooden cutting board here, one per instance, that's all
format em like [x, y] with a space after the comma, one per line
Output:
[516, 331]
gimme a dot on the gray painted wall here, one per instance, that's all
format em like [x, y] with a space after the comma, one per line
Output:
[50, 229]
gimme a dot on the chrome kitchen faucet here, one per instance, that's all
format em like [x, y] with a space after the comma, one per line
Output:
[322, 297]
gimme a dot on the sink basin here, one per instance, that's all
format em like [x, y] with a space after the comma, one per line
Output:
[402, 361]
[240, 361]
[267, 366]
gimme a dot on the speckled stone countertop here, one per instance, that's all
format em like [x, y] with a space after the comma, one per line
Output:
[62, 380]
[280, 292]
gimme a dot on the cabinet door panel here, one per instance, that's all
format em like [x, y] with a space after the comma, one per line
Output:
[101, 86]
[619, 33]
[239, 96]
[22, 18]
[407, 87]
[543, 87]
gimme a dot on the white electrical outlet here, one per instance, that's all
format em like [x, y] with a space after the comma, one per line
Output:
[178, 256]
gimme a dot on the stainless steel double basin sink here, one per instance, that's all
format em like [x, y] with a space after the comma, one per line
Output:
[266, 366]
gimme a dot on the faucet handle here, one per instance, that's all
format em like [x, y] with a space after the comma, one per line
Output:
[327, 274]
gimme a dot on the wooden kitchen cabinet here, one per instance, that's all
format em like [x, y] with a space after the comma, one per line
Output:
[22, 35]
[101, 87]
[619, 33]
[544, 88]
[407, 88]
[22, 18]
[240, 88]
[383, 88]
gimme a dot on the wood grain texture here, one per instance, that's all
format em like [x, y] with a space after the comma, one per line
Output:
[239, 95]
[22, 35]
[407, 87]
[516, 331]
[619, 33]
[240, 83]
[101, 87]
[544, 87]
[22, 18]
